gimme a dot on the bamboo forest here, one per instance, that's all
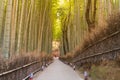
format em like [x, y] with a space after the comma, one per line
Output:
[59, 39]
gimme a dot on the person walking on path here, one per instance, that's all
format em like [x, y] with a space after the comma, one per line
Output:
[31, 76]
[85, 75]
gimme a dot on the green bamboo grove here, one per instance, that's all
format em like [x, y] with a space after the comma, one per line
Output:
[32, 25]
[80, 17]
[25, 26]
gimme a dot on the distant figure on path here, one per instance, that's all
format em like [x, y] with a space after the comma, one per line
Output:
[74, 67]
[56, 54]
[31, 76]
[85, 75]
[43, 67]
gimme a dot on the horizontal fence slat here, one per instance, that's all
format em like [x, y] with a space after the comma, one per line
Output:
[13, 70]
[78, 58]
[97, 54]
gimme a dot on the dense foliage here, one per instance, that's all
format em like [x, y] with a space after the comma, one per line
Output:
[29, 25]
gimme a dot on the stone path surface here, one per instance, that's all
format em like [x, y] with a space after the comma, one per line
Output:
[58, 71]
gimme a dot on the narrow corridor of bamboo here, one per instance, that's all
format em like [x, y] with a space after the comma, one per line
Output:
[38, 30]
[30, 25]
[25, 26]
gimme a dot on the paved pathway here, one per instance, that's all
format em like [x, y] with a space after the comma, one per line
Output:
[58, 71]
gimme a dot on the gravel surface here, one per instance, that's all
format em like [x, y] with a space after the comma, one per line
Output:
[58, 71]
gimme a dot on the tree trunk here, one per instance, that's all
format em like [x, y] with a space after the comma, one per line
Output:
[6, 42]
[20, 28]
[1, 21]
[13, 26]
[90, 22]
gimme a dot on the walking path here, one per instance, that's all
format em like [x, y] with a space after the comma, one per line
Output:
[58, 71]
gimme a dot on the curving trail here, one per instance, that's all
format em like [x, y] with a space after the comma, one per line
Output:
[58, 71]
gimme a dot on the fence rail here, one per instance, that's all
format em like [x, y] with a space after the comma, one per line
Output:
[13, 70]
[21, 73]
[27, 77]
[80, 57]
[90, 56]
[101, 40]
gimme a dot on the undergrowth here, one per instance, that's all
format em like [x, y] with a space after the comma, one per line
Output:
[111, 26]
[20, 60]
[111, 71]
